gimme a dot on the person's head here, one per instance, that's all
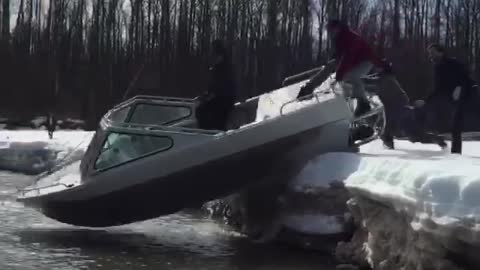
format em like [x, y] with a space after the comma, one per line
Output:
[435, 52]
[334, 26]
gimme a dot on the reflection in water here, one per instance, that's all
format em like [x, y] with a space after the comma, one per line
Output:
[30, 241]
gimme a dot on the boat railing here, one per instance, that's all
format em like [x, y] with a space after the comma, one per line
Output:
[300, 76]
[373, 112]
[377, 109]
[144, 98]
[378, 126]
[153, 100]
[370, 83]
[24, 191]
[152, 128]
[315, 95]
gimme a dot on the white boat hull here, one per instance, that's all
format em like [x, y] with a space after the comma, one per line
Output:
[198, 166]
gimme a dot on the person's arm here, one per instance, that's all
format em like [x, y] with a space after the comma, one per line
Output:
[435, 90]
[465, 81]
[317, 79]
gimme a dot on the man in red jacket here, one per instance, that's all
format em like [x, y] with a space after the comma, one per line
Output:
[355, 59]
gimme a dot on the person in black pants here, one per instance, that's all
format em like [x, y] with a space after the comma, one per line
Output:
[218, 103]
[400, 116]
[452, 84]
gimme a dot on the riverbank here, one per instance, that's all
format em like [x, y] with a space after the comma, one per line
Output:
[403, 209]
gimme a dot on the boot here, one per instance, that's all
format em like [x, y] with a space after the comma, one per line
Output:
[388, 142]
[363, 106]
[442, 144]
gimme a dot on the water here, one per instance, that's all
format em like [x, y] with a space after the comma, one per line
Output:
[30, 241]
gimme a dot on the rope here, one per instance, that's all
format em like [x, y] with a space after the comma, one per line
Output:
[133, 81]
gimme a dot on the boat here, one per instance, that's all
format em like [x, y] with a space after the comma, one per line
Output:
[148, 158]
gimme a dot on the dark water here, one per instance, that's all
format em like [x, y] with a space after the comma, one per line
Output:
[183, 241]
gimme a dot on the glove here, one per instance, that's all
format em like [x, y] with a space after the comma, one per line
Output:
[457, 93]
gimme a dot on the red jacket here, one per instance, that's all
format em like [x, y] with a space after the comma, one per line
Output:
[351, 50]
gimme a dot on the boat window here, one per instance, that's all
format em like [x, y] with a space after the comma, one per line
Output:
[156, 114]
[120, 115]
[120, 148]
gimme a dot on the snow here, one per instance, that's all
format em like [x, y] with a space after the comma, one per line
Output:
[32, 152]
[323, 170]
[39, 121]
[429, 185]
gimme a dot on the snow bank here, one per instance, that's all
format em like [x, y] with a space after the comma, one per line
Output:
[32, 152]
[384, 239]
[429, 184]
[308, 210]
[413, 206]
[445, 192]
[325, 169]
[316, 197]
[416, 207]
[16, 122]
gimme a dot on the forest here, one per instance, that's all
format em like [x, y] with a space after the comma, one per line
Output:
[79, 57]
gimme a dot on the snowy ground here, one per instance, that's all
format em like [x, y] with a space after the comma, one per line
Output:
[32, 152]
[430, 185]
[415, 204]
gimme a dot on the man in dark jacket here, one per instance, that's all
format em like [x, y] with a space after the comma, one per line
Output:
[355, 59]
[216, 106]
[452, 85]
[400, 116]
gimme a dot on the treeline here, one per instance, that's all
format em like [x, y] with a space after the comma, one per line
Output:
[80, 56]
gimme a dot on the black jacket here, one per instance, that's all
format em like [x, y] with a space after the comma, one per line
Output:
[448, 74]
[222, 82]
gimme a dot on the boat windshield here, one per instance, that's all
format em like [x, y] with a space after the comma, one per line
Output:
[152, 111]
[155, 114]
[120, 148]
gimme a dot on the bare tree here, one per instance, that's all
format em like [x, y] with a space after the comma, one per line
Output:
[93, 55]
